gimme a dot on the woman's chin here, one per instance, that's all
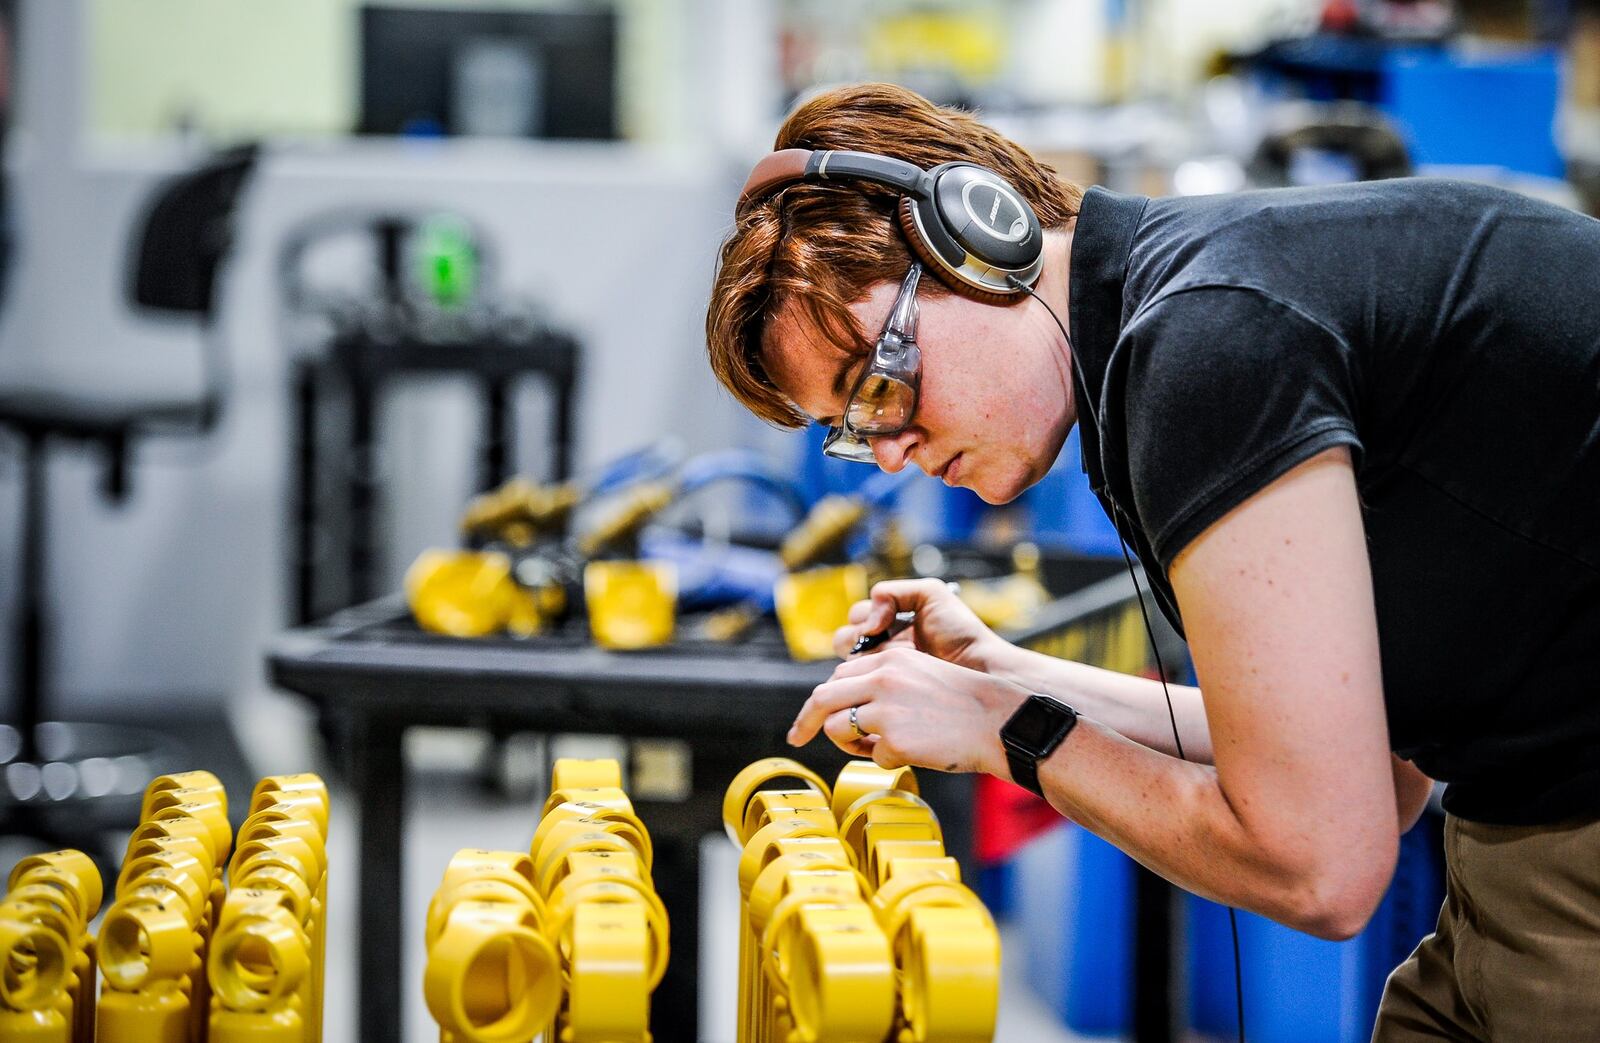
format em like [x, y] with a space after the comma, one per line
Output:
[998, 489]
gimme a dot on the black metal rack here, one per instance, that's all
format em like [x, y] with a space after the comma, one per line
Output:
[338, 486]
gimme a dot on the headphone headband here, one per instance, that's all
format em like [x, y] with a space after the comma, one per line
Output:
[975, 231]
[791, 165]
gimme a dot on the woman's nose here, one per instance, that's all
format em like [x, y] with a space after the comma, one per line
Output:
[893, 452]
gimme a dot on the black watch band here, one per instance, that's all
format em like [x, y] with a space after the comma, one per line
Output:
[1039, 726]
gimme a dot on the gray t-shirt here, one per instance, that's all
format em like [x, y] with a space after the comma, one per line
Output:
[1449, 334]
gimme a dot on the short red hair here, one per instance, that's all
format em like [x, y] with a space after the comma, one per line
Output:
[822, 247]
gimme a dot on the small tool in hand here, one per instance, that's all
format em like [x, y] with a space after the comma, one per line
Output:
[867, 642]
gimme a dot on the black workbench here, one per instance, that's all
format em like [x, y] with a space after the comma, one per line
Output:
[371, 674]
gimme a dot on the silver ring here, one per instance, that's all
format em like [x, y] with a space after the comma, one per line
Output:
[856, 724]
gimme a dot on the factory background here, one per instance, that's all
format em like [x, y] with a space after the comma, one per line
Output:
[586, 156]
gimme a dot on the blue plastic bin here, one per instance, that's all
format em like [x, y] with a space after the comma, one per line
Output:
[941, 513]
[1300, 989]
[1062, 510]
[1074, 896]
[1464, 107]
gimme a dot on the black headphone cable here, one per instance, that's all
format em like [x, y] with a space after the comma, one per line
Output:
[1233, 919]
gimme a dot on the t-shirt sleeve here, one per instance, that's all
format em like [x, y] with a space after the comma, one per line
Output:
[1228, 389]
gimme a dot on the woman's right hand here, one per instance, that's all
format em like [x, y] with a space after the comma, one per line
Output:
[945, 627]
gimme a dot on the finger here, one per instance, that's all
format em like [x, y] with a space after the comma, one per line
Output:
[858, 612]
[901, 595]
[884, 756]
[842, 732]
[859, 666]
[862, 747]
[826, 698]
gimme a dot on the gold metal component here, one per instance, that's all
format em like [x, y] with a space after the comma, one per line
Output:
[828, 953]
[566, 942]
[460, 593]
[621, 526]
[824, 530]
[1010, 602]
[632, 604]
[813, 604]
[520, 511]
[756, 776]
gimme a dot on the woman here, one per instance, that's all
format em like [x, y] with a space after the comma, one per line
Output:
[1354, 436]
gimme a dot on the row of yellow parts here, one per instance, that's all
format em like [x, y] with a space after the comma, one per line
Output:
[205, 939]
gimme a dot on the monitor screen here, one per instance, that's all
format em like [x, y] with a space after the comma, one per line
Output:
[488, 72]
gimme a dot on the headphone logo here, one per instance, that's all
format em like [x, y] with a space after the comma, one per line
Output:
[1003, 215]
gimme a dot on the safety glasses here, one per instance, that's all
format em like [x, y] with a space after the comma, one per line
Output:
[885, 395]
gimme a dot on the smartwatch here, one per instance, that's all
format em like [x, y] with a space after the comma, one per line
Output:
[1032, 734]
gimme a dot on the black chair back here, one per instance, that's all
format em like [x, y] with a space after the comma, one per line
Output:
[186, 231]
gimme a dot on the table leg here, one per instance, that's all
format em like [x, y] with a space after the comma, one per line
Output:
[499, 434]
[378, 777]
[1153, 1003]
[304, 455]
[565, 424]
[363, 474]
[675, 1006]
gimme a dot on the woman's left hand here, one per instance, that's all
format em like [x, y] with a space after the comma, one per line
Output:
[912, 708]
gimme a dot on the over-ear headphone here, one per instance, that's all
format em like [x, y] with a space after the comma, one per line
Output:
[972, 229]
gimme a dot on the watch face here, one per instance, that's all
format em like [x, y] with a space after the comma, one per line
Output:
[1037, 723]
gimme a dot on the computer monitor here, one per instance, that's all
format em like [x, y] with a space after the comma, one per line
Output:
[489, 72]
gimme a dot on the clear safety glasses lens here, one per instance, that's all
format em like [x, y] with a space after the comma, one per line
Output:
[885, 396]
[842, 445]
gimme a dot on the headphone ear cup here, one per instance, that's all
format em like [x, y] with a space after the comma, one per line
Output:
[936, 264]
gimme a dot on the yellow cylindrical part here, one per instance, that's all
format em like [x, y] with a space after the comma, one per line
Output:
[599, 796]
[857, 779]
[62, 891]
[26, 975]
[75, 866]
[551, 841]
[813, 604]
[208, 806]
[35, 1025]
[35, 962]
[259, 956]
[761, 775]
[492, 975]
[842, 977]
[571, 817]
[144, 939]
[461, 593]
[278, 1026]
[895, 950]
[951, 975]
[573, 773]
[613, 892]
[609, 997]
[565, 942]
[631, 604]
[264, 967]
[155, 1015]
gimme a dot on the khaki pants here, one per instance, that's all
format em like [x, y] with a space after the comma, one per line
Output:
[1516, 955]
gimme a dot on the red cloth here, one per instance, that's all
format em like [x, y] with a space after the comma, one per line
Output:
[1006, 817]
